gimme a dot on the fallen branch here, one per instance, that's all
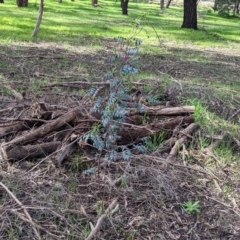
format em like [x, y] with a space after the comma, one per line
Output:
[24, 209]
[33, 151]
[163, 111]
[101, 219]
[135, 133]
[43, 130]
[187, 131]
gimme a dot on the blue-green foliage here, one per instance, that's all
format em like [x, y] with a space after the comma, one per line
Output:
[128, 69]
[152, 99]
[114, 109]
[91, 91]
[140, 148]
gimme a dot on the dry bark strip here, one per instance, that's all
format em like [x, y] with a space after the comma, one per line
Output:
[163, 111]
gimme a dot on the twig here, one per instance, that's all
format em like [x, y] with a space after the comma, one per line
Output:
[57, 237]
[186, 132]
[24, 209]
[100, 220]
[235, 114]
[47, 157]
[226, 205]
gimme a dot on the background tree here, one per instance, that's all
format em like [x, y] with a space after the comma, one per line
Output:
[1, 1]
[22, 3]
[236, 7]
[161, 4]
[39, 19]
[190, 14]
[168, 3]
[124, 6]
[94, 3]
[227, 7]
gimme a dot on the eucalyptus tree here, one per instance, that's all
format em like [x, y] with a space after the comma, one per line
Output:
[161, 4]
[124, 6]
[190, 14]
[22, 3]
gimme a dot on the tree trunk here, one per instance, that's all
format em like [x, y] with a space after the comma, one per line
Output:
[59, 1]
[39, 20]
[124, 6]
[22, 3]
[94, 3]
[236, 7]
[162, 4]
[1, 1]
[168, 3]
[190, 14]
[215, 6]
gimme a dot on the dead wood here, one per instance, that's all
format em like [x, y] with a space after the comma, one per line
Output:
[183, 138]
[163, 111]
[33, 151]
[43, 130]
[135, 133]
[16, 94]
[54, 136]
[24, 210]
[16, 126]
[11, 128]
[101, 219]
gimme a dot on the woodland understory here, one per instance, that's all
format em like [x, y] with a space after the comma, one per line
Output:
[57, 185]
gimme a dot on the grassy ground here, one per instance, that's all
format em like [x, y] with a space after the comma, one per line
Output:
[199, 68]
[72, 21]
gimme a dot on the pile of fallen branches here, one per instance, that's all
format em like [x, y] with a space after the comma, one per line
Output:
[58, 131]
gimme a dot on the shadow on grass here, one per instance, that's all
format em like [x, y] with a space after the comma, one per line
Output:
[62, 21]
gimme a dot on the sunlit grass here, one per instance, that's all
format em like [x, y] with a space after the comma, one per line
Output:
[70, 21]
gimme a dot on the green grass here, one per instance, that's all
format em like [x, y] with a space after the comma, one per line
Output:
[71, 22]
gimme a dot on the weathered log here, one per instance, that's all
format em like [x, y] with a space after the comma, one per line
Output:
[29, 151]
[12, 128]
[43, 130]
[135, 133]
[16, 126]
[163, 111]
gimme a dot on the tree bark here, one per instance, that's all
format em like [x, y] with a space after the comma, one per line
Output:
[236, 7]
[190, 14]
[133, 134]
[29, 151]
[43, 130]
[156, 111]
[124, 6]
[94, 3]
[162, 4]
[39, 20]
[168, 3]
[22, 3]
[215, 6]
